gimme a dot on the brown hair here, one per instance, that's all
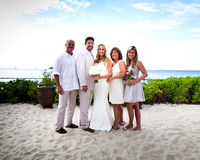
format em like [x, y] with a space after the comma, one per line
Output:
[118, 51]
[89, 38]
[105, 58]
[128, 61]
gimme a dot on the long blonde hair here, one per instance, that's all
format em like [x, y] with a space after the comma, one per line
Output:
[105, 58]
[128, 61]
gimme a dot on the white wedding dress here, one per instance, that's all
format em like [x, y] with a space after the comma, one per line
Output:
[101, 117]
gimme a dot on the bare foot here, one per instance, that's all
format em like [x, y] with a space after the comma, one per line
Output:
[137, 129]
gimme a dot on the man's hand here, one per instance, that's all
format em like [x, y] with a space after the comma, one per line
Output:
[84, 88]
[60, 90]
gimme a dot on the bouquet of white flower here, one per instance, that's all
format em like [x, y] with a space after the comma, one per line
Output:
[95, 71]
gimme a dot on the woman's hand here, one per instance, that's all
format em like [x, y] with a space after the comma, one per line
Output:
[109, 79]
[97, 77]
[130, 82]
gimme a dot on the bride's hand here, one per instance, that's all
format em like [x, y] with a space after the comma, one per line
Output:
[96, 77]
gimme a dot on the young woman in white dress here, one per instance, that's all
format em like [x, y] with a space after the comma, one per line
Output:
[101, 117]
[133, 89]
[117, 85]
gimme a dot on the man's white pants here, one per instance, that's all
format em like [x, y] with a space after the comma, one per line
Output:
[85, 101]
[68, 98]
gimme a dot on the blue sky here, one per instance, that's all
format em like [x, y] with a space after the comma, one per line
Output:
[166, 33]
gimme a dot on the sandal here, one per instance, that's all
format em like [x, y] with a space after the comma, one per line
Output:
[127, 128]
[123, 123]
[115, 128]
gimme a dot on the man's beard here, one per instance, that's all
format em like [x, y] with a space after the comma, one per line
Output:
[89, 48]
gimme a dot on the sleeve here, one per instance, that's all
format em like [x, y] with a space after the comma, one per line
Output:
[56, 68]
[81, 69]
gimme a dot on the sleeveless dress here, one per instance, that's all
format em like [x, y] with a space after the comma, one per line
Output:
[116, 87]
[101, 117]
[134, 93]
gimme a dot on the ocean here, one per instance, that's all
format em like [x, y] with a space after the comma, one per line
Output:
[7, 74]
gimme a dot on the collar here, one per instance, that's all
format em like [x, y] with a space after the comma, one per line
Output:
[67, 54]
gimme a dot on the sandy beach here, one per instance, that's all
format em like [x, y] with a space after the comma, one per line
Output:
[169, 132]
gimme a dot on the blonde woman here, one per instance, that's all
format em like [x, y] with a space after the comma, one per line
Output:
[133, 89]
[101, 117]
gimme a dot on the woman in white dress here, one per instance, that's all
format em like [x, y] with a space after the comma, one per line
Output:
[133, 89]
[101, 117]
[117, 85]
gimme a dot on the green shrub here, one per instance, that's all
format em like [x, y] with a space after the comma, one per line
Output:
[18, 91]
[47, 79]
[173, 90]
[33, 91]
[195, 90]
[3, 94]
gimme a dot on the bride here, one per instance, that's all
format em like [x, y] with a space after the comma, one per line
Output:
[101, 117]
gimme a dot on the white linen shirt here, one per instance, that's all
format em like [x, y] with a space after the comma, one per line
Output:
[65, 67]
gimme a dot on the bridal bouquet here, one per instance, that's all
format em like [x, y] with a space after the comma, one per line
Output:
[129, 75]
[95, 71]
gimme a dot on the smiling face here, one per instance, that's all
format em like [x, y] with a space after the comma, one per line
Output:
[70, 46]
[115, 55]
[101, 51]
[131, 54]
[89, 45]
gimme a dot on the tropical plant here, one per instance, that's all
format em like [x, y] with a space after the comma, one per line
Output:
[47, 79]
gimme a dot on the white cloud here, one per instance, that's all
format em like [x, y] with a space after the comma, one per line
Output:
[175, 13]
[38, 48]
[115, 9]
[180, 9]
[11, 9]
[149, 26]
[195, 30]
[48, 21]
[29, 44]
[196, 35]
[62, 5]
[83, 4]
[176, 8]
[149, 7]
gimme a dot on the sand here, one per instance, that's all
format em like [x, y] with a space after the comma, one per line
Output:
[169, 132]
